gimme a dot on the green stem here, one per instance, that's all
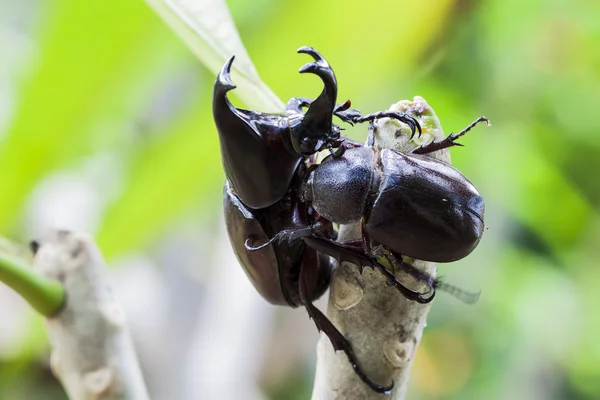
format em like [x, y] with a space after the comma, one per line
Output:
[45, 295]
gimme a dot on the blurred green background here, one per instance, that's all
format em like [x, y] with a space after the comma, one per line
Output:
[103, 94]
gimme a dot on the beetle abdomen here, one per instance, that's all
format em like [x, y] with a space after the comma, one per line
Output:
[425, 209]
[261, 265]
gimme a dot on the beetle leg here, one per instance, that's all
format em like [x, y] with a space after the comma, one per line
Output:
[340, 251]
[286, 234]
[336, 153]
[371, 137]
[345, 113]
[338, 341]
[449, 140]
[435, 283]
[456, 292]
[344, 252]
[394, 261]
[410, 294]
[400, 116]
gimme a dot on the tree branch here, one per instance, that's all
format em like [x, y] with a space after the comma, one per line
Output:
[383, 327]
[92, 352]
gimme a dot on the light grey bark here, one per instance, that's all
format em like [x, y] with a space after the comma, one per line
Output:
[92, 353]
[383, 327]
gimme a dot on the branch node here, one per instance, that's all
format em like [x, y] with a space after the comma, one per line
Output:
[398, 353]
[98, 381]
[346, 292]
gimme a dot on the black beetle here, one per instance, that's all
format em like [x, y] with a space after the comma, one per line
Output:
[408, 205]
[411, 204]
[261, 152]
[264, 160]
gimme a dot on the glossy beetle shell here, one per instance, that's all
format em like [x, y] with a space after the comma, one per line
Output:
[274, 269]
[437, 213]
[416, 206]
[257, 156]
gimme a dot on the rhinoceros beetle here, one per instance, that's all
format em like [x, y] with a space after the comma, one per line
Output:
[411, 204]
[274, 197]
[407, 204]
[261, 152]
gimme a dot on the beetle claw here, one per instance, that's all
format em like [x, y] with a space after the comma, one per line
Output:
[400, 116]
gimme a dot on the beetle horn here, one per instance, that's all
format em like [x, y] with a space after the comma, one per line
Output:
[222, 108]
[237, 134]
[224, 82]
[318, 119]
[232, 124]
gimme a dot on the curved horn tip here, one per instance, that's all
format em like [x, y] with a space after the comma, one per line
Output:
[310, 67]
[312, 52]
[225, 73]
[306, 49]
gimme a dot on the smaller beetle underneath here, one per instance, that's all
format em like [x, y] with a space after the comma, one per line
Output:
[281, 206]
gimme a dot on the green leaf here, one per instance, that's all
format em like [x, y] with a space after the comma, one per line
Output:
[91, 55]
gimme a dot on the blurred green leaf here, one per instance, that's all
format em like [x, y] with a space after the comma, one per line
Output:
[90, 55]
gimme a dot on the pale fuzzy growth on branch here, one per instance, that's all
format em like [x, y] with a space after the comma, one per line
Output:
[92, 353]
[383, 327]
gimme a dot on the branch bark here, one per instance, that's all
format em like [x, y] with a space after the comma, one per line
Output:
[92, 352]
[383, 327]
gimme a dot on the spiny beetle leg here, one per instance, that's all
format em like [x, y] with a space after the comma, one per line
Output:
[449, 140]
[420, 298]
[286, 234]
[436, 283]
[345, 113]
[343, 252]
[400, 116]
[338, 340]
[371, 137]
[456, 292]
[340, 251]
